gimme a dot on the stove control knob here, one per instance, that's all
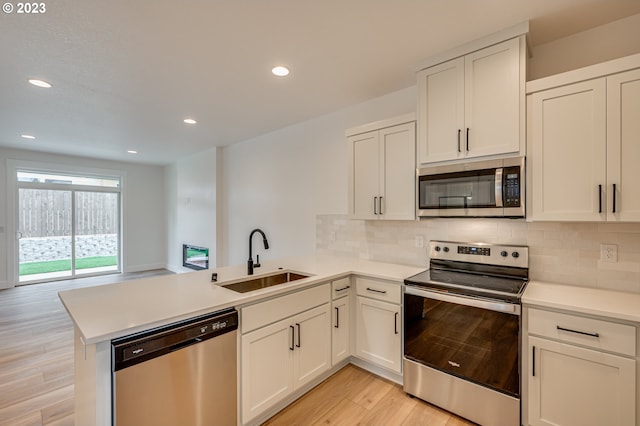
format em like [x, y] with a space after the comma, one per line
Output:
[515, 254]
[446, 249]
[503, 253]
[437, 248]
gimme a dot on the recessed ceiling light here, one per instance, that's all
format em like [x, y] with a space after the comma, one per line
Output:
[39, 83]
[280, 71]
[189, 121]
[28, 136]
[131, 151]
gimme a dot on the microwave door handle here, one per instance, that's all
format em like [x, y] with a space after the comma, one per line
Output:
[499, 187]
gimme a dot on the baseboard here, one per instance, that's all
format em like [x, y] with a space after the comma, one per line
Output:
[378, 371]
[365, 365]
[294, 396]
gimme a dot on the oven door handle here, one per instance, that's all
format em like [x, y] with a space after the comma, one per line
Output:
[508, 308]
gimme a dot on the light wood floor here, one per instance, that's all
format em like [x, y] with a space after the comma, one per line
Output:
[36, 372]
[36, 351]
[354, 396]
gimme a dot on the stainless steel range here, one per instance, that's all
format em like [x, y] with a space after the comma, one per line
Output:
[462, 330]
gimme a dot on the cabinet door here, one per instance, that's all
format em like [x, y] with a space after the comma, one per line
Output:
[340, 330]
[441, 112]
[569, 385]
[623, 146]
[494, 90]
[267, 361]
[312, 354]
[398, 175]
[364, 185]
[378, 338]
[568, 152]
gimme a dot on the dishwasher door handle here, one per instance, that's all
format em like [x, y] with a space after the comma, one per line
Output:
[186, 343]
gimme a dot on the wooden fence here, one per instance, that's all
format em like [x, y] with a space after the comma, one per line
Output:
[47, 213]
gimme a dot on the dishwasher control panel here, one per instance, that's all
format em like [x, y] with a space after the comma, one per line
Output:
[133, 349]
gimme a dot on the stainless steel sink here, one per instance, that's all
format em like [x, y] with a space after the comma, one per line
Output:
[253, 284]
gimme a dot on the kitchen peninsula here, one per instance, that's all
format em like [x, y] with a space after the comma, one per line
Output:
[103, 313]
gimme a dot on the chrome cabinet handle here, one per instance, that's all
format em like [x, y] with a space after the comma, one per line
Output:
[343, 288]
[299, 342]
[292, 337]
[375, 204]
[614, 198]
[337, 317]
[380, 206]
[459, 131]
[584, 333]
[395, 323]
[376, 291]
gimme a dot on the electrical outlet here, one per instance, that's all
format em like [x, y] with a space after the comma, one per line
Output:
[608, 252]
[419, 241]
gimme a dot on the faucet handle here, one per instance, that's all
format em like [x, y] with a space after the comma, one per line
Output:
[257, 264]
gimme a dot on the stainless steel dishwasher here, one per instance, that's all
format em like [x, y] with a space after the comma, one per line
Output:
[184, 373]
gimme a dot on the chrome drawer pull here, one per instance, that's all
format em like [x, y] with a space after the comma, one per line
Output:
[343, 288]
[585, 333]
[376, 291]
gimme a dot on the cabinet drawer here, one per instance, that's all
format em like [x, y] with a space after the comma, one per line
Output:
[381, 290]
[594, 333]
[273, 310]
[340, 287]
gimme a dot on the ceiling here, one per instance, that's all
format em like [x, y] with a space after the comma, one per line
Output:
[126, 73]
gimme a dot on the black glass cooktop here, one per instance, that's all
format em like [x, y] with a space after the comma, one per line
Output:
[474, 284]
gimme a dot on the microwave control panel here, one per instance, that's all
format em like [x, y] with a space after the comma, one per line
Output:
[511, 187]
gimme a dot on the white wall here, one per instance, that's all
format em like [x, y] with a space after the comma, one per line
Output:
[614, 40]
[143, 201]
[191, 206]
[279, 181]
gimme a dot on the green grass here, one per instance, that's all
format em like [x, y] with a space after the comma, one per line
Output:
[65, 265]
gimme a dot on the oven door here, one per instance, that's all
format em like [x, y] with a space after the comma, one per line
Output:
[473, 339]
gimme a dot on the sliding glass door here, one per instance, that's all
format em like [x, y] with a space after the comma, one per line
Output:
[96, 238]
[44, 234]
[67, 226]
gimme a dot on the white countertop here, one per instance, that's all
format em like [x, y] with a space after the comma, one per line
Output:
[593, 301]
[109, 311]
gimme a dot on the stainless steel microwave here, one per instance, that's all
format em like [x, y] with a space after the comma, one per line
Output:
[493, 188]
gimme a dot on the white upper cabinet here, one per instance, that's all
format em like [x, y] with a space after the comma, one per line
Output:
[473, 106]
[382, 172]
[568, 152]
[623, 146]
[441, 112]
[583, 145]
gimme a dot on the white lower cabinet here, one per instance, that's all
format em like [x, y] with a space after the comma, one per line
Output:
[572, 377]
[311, 354]
[378, 333]
[340, 347]
[281, 357]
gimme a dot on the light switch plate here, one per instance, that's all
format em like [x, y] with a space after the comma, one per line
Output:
[609, 252]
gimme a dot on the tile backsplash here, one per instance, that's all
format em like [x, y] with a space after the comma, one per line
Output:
[561, 252]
